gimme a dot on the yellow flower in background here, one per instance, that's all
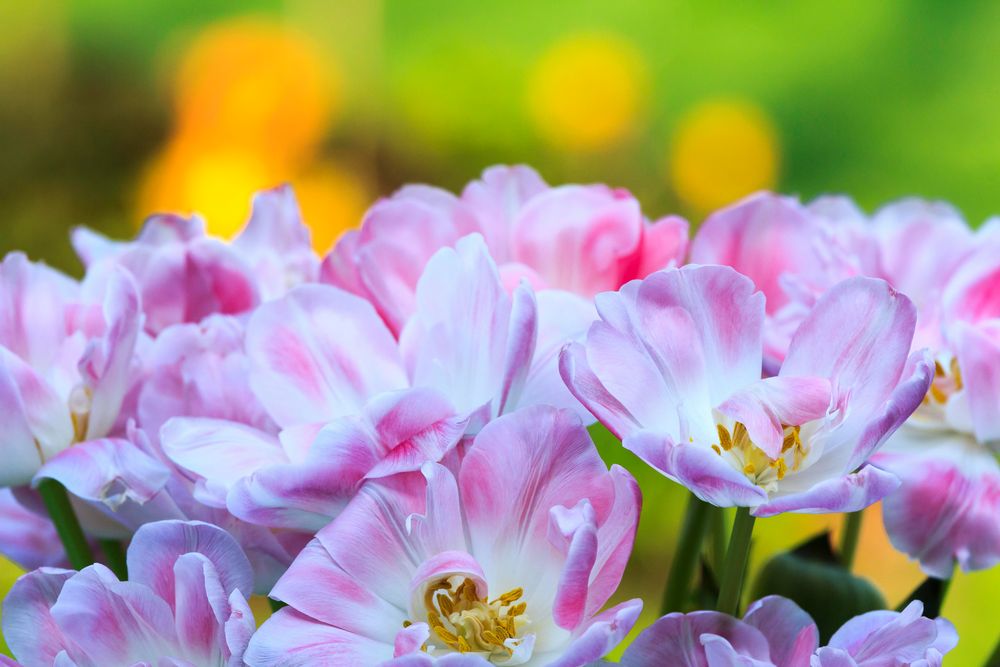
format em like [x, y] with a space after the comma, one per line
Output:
[721, 151]
[257, 85]
[254, 101]
[587, 91]
[334, 198]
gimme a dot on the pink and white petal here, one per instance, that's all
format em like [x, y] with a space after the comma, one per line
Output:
[978, 351]
[411, 427]
[319, 353]
[111, 471]
[570, 604]
[107, 365]
[858, 335]
[791, 632]
[718, 344]
[411, 639]
[306, 495]
[576, 237]
[157, 546]
[902, 402]
[615, 538]
[764, 237]
[599, 636]
[276, 243]
[201, 608]
[921, 244]
[319, 588]
[586, 387]
[113, 622]
[848, 493]
[518, 468]
[497, 199]
[675, 639]
[664, 244]
[563, 317]
[456, 341]
[35, 302]
[28, 627]
[833, 657]
[698, 468]
[26, 537]
[522, 335]
[239, 628]
[441, 526]
[26, 402]
[370, 540]
[398, 237]
[218, 451]
[766, 406]
[945, 509]
[292, 639]
[901, 637]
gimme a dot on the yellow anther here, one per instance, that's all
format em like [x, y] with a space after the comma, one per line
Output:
[717, 450]
[724, 439]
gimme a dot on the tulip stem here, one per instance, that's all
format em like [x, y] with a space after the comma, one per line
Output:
[718, 528]
[849, 538]
[64, 519]
[115, 555]
[686, 556]
[736, 562]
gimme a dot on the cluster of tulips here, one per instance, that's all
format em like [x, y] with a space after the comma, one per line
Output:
[392, 442]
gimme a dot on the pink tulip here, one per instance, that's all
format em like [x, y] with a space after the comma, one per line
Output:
[581, 239]
[353, 405]
[674, 369]
[184, 604]
[66, 362]
[185, 275]
[775, 632]
[503, 557]
[945, 513]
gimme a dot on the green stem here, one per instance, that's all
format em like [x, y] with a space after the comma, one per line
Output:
[849, 538]
[61, 511]
[736, 562]
[686, 556]
[115, 555]
[718, 527]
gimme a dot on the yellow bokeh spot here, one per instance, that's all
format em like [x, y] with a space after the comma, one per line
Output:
[258, 85]
[586, 92]
[333, 199]
[216, 183]
[723, 150]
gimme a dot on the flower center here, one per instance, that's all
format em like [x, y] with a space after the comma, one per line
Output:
[467, 623]
[755, 464]
[945, 383]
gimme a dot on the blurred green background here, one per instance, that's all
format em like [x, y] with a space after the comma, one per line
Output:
[112, 109]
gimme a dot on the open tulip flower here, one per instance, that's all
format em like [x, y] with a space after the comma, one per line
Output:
[674, 369]
[503, 557]
[352, 405]
[66, 361]
[946, 510]
[183, 605]
[775, 632]
[185, 275]
[582, 239]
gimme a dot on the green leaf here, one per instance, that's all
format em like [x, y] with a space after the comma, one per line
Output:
[811, 576]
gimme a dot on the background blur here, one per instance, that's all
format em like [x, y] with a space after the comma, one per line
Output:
[111, 109]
